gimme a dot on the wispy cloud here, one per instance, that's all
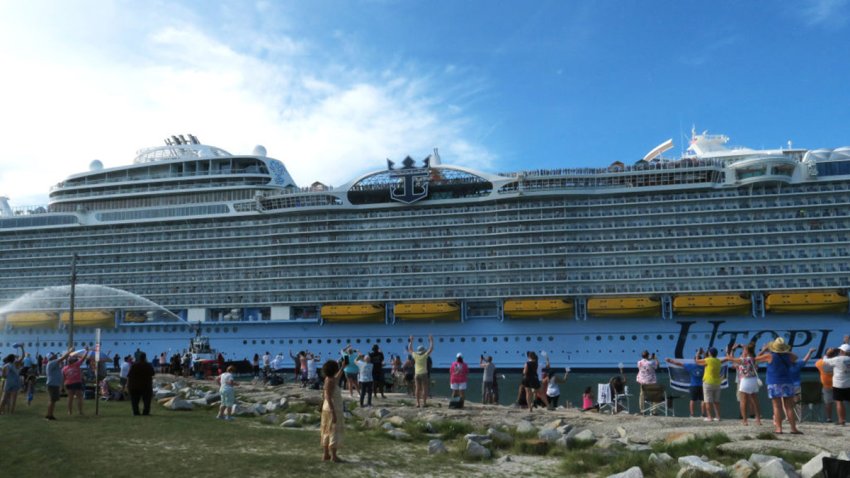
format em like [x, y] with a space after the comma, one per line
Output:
[80, 91]
[825, 13]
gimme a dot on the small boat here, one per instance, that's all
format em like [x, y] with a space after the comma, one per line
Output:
[412, 311]
[538, 308]
[90, 318]
[353, 313]
[717, 304]
[623, 306]
[45, 320]
[818, 302]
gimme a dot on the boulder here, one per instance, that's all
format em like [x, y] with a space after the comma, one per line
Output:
[179, 404]
[777, 468]
[844, 456]
[400, 435]
[291, 423]
[550, 435]
[638, 448]
[607, 443]
[387, 426]
[272, 406]
[436, 447]
[660, 459]
[525, 426]
[199, 402]
[480, 439]
[554, 424]
[270, 419]
[475, 450]
[563, 442]
[382, 413]
[500, 438]
[633, 472]
[160, 394]
[397, 421]
[742, 469]
[584, 435]
[259, 409]
[564, 429]
[283, 403]
[678, 438]
[814, 467]
[212, 397]
[694, 466]
[371, 422]
[758, 460]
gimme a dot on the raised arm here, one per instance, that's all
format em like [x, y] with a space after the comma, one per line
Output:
[808, 355]
[410, 345]
[675, 362]
[430, 344]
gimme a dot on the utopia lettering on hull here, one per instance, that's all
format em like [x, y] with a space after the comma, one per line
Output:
[591, 265]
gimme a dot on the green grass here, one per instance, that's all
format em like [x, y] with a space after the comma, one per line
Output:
[117, 444]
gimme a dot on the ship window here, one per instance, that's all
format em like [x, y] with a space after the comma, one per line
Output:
[473, 339]
[495, 339]
[254, 342]
[357, 341]
[551, 338]
[670, 337]
[540, 339]
[309, 341]
[291, 342]
[463, 339]
[217, 330]
[622, 337]
[300, 341]
[483, 339]
[645, 337]
[527, 338]
[694, 336]
[399, 340]
[368, 341]
[658, 337]
[598, 338]
[337, 341]
[234, 330]
[451, 339]
[610, 338]
[262, 342]
[441, 340]
[244, 342]
[634, 338]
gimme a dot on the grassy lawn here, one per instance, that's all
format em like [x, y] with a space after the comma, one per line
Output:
[117, 444]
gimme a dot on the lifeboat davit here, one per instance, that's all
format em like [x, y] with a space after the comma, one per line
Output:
[353, 313]
[538, 308]
[623, 306]
[818, 302]
[43, 320]
[412, 311]
[711, 304]
[90, 318]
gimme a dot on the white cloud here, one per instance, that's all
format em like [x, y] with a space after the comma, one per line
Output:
[826, 13]
[87, 86]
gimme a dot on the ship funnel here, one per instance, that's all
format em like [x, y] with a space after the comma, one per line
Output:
[5, 209]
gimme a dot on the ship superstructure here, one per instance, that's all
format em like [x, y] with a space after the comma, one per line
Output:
[592, 265]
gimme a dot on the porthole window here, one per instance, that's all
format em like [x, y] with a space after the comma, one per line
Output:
[357, 341]
[634, 338]
[622, 337]
[658, 337]
[337, 341]
[254, 342]
[539, 339]
[451, 339]
[598, 338]
[263, 342]
[244, 342]
[441, 340]
[291, 342]
[463, 339]
[671, 337]
[309, 341]
[483, 339]
[473, 339]
[216, 330]
[551, 339]
[527, 338]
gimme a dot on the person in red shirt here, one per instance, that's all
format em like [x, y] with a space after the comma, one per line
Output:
[73, 379]
[458, 375]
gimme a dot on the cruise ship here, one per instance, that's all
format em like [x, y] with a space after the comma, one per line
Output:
[592, 266]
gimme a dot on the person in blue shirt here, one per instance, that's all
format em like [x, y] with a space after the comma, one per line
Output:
[697, 405]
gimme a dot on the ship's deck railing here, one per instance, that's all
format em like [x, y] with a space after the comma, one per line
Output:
[619, 168]
[163, 187]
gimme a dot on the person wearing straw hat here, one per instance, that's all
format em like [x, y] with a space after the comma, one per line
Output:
[780, 387]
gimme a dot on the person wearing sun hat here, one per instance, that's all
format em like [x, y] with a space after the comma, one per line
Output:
[840, 381]
[780, 386]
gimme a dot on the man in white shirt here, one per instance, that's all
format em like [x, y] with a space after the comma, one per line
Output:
[840, 380]
[125, 369]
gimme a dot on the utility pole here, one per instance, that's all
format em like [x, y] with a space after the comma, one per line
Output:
[71, 311]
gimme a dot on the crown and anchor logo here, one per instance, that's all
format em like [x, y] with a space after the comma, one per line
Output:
[414, 180]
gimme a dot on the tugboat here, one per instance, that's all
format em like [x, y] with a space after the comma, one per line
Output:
[204, 357]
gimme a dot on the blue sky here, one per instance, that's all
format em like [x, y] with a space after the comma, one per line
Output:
[332, 88]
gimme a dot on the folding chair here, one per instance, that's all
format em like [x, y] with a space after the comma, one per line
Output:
[811, 401]
[655, 399]
[604, 398]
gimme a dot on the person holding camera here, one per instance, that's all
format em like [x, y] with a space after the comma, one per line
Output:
[646, 373]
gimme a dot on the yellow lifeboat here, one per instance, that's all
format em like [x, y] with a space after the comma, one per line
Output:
[44, 320]
[133, 318]
[427, 311]
[90, 318]
[538, 308]
[789, 302]
[353, 313]
[623, 306]
[711, 304]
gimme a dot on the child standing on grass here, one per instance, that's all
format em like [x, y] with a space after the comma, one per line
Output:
[228, 395]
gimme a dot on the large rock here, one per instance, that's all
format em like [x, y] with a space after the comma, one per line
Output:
[633, 472]
[550, 435]
[554, 424]
[436, 447]
[525, 426]
[475, 450]
[584, 435]
[622, 432]
[212, 397]
[400, 435]
[283, 403]
[844, 456]
[638, 448]
[606, 443]
[742, 469]
[179, 404]
[371, 422]
[382, 413]
[500, 438]
[777, 468]
[758, 460]
[160, 394]
[397, 420]
[660, 459]
[480, 439]
[694, 466]
[679, 438]
[814, 467]
[272, 406]
[291, 423]
[564, 429]
[387, 426]
[270, 419]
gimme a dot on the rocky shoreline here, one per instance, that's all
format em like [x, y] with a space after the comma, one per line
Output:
[493, 428]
